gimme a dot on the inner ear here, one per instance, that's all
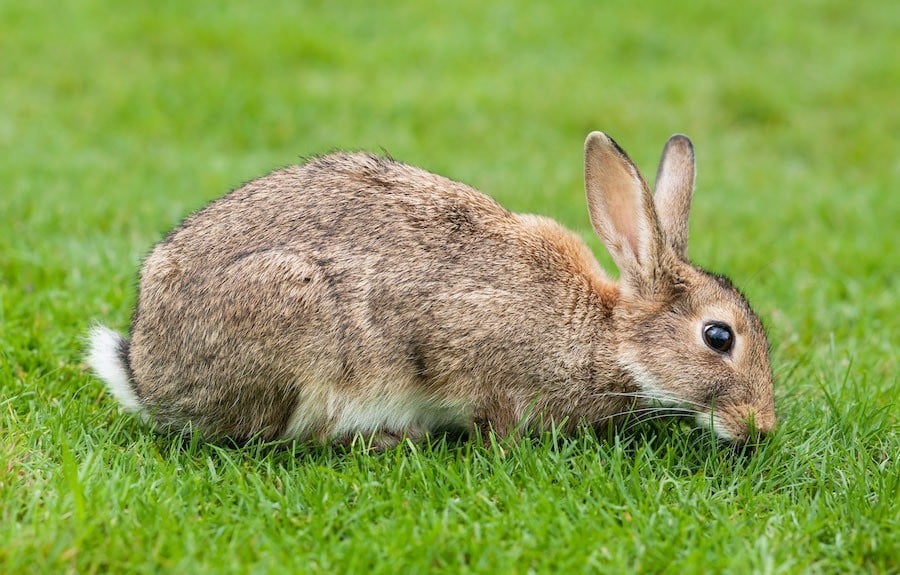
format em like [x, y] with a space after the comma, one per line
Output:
[673, 192]
[624, 209]
[622, 212]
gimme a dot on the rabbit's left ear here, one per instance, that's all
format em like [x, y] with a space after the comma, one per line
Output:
[674, 189]
[623, 215]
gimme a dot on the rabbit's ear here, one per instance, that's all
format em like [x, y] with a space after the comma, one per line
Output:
[622, 213]
[674, 188]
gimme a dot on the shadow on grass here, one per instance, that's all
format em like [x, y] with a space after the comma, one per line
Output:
[674, 445]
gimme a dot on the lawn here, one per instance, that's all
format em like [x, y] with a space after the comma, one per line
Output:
[116, 120]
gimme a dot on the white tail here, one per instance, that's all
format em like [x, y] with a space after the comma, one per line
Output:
[105, 358]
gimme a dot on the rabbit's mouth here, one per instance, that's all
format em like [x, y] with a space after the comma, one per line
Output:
[738, 423]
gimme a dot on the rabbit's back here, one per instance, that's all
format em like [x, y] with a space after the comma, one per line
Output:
[350, 294]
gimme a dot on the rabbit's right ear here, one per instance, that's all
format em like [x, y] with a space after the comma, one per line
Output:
[673, 191]
[623, 215]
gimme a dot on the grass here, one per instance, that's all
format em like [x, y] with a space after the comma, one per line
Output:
[116, 121]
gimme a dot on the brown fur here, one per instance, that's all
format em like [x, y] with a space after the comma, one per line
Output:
[301, 300]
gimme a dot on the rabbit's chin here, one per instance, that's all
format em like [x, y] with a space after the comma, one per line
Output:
[654, 394]
[714, 422]
[650, 388]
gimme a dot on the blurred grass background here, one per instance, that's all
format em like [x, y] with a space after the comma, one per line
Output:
[118, 120]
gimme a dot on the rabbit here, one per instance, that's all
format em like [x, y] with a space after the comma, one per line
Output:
[355, 295]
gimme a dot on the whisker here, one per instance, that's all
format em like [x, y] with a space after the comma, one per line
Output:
[645, 410]
[641, 395]
[671, 411]
[649, 414]
[654, 417]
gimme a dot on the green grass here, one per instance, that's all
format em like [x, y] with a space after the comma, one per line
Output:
[116, 120]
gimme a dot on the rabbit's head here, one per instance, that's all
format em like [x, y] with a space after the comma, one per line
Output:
[688, 338]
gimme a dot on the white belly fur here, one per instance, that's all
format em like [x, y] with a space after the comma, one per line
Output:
[341, 415]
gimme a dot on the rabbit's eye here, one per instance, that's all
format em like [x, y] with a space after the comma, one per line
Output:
[718, 336]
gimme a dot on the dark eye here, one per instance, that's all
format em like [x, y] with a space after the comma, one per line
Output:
[718, 336]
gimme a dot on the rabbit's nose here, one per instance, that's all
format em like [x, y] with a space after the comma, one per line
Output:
[760, 422]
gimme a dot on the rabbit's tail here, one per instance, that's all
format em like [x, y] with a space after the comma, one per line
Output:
[108, 357]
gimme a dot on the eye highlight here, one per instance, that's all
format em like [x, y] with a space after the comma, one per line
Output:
[718, 336]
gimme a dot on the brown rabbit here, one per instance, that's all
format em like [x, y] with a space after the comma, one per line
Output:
[359, 295]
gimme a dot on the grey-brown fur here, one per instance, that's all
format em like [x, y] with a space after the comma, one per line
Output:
[355, 294]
